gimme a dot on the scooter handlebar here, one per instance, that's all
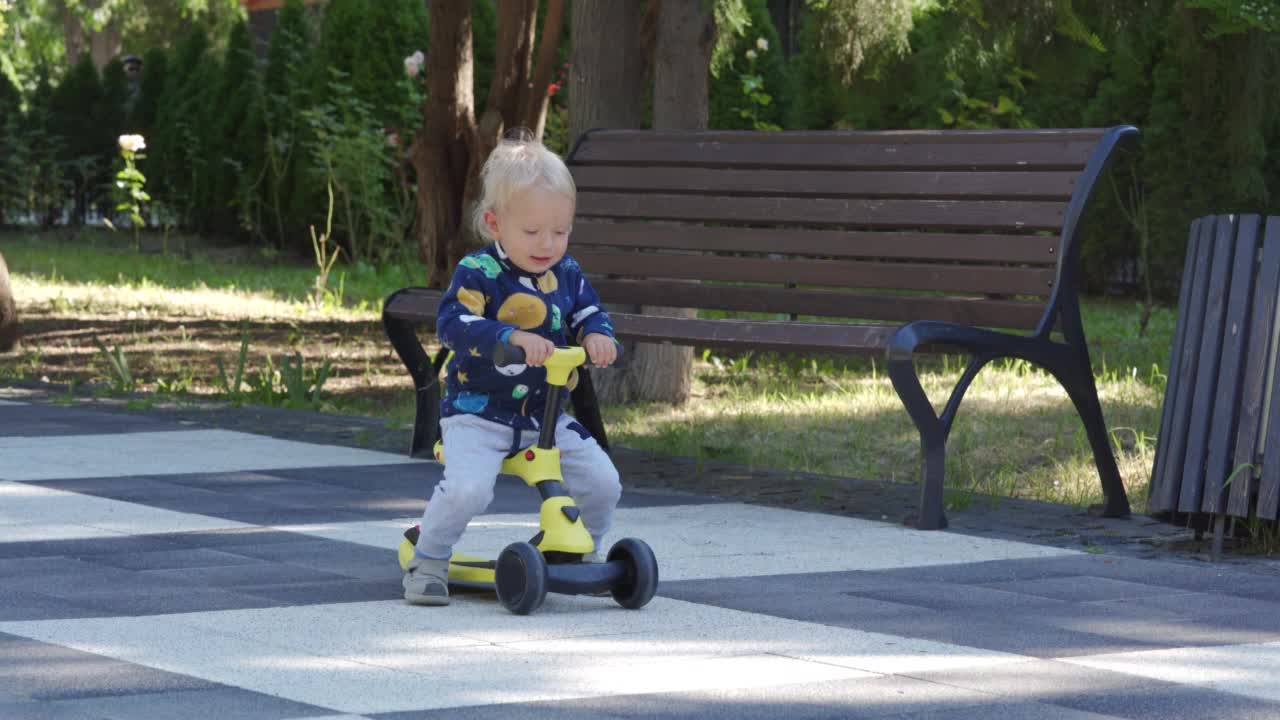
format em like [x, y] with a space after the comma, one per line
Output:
[508, 354]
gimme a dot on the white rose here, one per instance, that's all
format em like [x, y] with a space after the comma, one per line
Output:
[751, 54]
[762, 44]
[413, 63]
[132, 143]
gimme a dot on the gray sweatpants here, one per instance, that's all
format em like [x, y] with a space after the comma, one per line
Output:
[474, 449]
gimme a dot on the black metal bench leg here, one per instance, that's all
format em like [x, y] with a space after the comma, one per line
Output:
[1083, 392]
[933, 442]
[1076, 375]
[586, 408]
[426, 416]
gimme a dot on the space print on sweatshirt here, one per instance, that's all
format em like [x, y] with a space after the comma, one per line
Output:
[488, 299]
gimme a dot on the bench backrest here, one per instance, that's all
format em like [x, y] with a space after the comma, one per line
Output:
[973, 225]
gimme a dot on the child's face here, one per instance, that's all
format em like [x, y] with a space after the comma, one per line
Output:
[533, 227]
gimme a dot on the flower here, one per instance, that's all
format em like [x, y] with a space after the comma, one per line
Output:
[413, 64]
[132, 143]
[751, 54]
[762, 44]
[553, 88]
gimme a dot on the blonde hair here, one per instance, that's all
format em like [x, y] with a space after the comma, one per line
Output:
[518, 163]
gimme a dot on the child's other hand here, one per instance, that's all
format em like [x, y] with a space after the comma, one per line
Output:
[601, 349]
[536, 348]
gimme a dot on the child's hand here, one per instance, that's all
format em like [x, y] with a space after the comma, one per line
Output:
[601, 349]
[536, 348]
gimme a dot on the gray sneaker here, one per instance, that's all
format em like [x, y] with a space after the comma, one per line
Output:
[427, 581]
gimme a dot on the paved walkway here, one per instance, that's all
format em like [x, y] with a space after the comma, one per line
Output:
[209, 562]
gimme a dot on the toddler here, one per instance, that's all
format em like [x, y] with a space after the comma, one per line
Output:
[521, 289]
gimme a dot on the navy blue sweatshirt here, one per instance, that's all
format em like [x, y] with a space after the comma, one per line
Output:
[489, 298]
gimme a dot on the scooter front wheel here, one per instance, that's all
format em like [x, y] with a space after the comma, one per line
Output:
[521, 578]
[640, 583]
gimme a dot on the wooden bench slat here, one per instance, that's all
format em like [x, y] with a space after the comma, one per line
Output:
[1206, 383]
[902, 214]
[846, 137]
[760, 335]
[827, 303]
[1222, 425]
[1171, 431]
[1037, 249]
[838, 273]
[1265, 310]
[827, 183]
[420, 305]
[1033, 155]
[1173, 437]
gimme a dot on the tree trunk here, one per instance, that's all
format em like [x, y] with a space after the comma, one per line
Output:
[72, 34]
[685, 37]
[443, 151]
[533, 110]
[606, 68]
[8, 311]
[453, 146]
[102, 45]
[606, 89]
[517, 20]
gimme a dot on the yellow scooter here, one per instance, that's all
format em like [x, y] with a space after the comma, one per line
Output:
[552, 560]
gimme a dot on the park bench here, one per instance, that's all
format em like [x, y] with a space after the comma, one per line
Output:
[842, 242]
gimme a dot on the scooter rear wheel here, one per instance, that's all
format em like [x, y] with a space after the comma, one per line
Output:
[521, 578]
[637, 588]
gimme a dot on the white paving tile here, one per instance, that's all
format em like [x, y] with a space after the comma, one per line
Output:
[732, 540]
[374, 657]
[31, 512]
[170, 453]
[1248, 670]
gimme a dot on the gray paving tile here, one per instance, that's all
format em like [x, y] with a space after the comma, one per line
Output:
[1260, 614]
[18, 604]
[958, 614]
[874, 697]
[44, 710]
[164, 600]
[1003, 711]
[1080, 588]
[317, 593]
[91, 575]
[231, 576]
[51, 672]
[299, 516]
[1105, 693]
[22, 568]
[417, 481]
[86, 548]
[46, 421]
[219, 702]
[994, 632]
[328, 556]
[954, 597]
[1173, 703]
[232, 537]
[993, 571]
[173, 559]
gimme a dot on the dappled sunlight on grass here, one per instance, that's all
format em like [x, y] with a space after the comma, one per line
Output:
[77, 299]
[1017, 433]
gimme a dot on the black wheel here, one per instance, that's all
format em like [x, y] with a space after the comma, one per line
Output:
[521, 578]
[641, 582]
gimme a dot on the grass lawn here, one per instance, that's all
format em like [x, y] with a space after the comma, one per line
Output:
[174, 316]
